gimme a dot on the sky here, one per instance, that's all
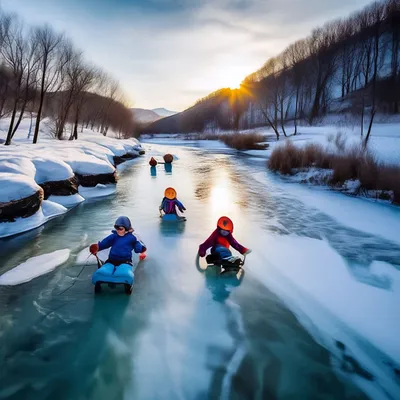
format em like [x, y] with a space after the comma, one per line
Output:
[169, 53]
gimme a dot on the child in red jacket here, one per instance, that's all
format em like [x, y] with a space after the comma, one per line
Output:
[220, 241]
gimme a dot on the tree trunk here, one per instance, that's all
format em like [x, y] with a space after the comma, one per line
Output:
[369, 127]
[38, 116]
[21, 114]
[10, 128]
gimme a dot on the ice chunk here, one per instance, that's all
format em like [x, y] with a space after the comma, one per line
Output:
[34, 267]
[67, 201]
[99, 190]
[51, 209]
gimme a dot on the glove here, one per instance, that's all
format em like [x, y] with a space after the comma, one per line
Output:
[248, 251]
[144, 249]
[94, 248]
[202, 253]
[142, 256]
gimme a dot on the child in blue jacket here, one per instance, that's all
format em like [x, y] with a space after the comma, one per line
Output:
[122, 243]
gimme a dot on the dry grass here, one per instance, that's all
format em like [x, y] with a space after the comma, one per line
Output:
[350, 164]
[244, 141]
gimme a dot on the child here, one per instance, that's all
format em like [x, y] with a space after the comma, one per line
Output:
[170, 202]
[122, 242]
[220, 241]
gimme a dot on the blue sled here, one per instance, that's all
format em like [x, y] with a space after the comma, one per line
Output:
[123, 274]
[173, 218]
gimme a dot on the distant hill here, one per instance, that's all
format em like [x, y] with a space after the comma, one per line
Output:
[162, 112]
[214, 109]
[144, 116]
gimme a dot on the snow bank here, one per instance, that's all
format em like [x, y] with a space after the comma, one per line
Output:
[34, 267]
[48, 210]
[23, 166]
[16, 187]
[48, 170]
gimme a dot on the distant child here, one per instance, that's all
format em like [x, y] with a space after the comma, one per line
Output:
[122, 243]
[220, 241]
[170, 202]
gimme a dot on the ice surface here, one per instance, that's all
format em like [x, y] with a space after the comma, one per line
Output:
[317, 284]
[16, 187]
[34, 267]
[365, 215]
[85, 258]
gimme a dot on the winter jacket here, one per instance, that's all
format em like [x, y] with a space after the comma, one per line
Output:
[168, 206]
[122, 246]
[216, 239]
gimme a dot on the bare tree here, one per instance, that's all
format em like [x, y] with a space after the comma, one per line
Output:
[323, 62]
[49, 46]
[85, 78]
[376, 14]
[19, 56]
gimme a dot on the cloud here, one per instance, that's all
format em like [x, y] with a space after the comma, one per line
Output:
[168, 53]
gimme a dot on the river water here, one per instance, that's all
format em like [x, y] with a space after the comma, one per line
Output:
[181, 334]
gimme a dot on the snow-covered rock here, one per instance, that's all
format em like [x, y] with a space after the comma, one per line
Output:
[51, 169]
[16, 187]
[35, 267]
[17, 165]
[85, 164]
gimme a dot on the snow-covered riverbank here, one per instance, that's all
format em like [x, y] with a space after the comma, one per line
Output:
[39, 182]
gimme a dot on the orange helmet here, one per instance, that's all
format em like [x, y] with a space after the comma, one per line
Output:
[225, 223]
[170, 193]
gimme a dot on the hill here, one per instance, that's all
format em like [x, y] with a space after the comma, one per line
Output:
[163, 112]
[144, 116]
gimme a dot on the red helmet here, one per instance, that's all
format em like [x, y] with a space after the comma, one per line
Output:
[225, 223]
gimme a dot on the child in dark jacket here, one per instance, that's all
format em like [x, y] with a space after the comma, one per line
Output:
[122, 243]
[170, 202]
[220, 241]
